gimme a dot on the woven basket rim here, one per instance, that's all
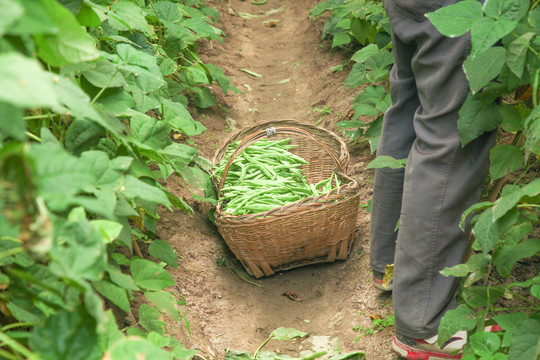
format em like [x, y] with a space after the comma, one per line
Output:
[343, 156]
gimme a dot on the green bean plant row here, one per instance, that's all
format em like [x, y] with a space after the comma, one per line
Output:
[264, 176]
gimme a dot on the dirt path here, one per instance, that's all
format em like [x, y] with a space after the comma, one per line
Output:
[224, 311]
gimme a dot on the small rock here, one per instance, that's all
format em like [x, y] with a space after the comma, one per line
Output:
[231, 123]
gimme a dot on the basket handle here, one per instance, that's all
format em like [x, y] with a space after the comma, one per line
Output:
[247, 141]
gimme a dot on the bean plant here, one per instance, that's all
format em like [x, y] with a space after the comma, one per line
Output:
[503, 70]
[93, 92]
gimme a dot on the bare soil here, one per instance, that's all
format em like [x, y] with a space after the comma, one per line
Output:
[224, 310]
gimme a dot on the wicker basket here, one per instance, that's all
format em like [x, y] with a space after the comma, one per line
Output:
[311, 230]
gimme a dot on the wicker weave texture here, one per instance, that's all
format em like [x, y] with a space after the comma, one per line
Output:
[312, 230]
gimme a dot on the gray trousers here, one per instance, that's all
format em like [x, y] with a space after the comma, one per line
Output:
[441, 179]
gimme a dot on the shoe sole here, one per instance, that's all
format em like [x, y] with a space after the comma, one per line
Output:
[410, 353]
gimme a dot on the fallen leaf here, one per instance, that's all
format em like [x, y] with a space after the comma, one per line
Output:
[271, 22]
[292, 296]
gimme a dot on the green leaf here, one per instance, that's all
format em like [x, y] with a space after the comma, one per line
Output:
[534, 18]
[485, 343]
[126, 15]
[108, 332]
[455, 20]
[67, 335]
[461, 318]
[196, 75]
[509, 322]
[488, 231]
[283, 333]
[182, 152]
[149, 275]
[134, 347]
[516, 53]
[179, 118]
[513, 117]
[11, 122]
[116, 101]
[507, 202]
[36, 20]
[504, 159]
[78, 105]
[109, 230]
[386, 161]
[480, 70]
[106, 175]
[476, 207]
[486, 32]
[70, 44]
[167, 11]
[165, 302]
[163, 251]
[104, 74]
[506, 9]
[357, 75]
[119, 278]
[134, 187]
[203, 97]
[150, 131]
[198, 25]
[480, 296]
[532, 132]
[81, 135]
[115, 294]
[506, 257]
[79, 252]
[12, 11]
[149, 318]
[365, 53]
[87, 16]
[517, 233]
[218, 75]
[477, 117]
[340, 39]
[59, 173]
[525, 343]
[24, 83]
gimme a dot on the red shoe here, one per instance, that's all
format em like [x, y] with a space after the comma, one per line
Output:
[428, 349]
[378, 282]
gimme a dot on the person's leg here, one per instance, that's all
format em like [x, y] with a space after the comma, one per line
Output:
[396, 139]
[442, 179]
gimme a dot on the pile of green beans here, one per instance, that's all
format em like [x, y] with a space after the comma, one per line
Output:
[265, 176]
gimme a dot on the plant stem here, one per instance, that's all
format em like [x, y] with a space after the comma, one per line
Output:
[32, 136]
[11, 251]
[16, 325]
[260, 347]
[7, 355]
[37, 117]
[528, 205]
[10, 238]
[535, 88]
[104, 88]
[27, 277]
[17, 347]
[524, 43]
[515, 309]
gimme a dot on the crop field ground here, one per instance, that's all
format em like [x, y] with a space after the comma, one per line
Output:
[298, 83]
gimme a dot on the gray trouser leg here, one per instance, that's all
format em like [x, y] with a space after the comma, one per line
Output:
[441, 179]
